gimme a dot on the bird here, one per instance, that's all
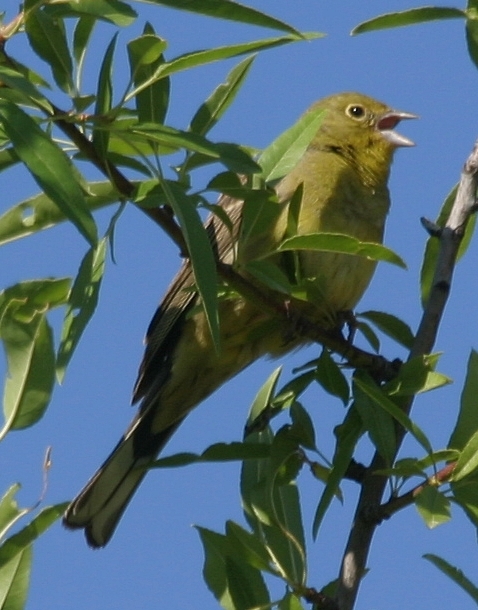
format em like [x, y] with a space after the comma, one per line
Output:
[342, 176]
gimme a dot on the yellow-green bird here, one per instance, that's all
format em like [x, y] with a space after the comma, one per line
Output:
[343, 174]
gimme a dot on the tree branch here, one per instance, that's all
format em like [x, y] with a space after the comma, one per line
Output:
[358, 545]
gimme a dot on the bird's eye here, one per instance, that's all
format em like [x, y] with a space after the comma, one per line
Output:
[355, 111]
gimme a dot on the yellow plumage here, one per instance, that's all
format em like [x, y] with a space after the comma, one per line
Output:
[344, 174]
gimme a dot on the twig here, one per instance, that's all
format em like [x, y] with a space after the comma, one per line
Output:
[358, 545]
[395, 504]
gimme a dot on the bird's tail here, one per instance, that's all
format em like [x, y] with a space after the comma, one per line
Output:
[101, 503]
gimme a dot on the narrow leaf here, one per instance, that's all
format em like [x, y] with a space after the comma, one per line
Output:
[31, 363]
[104, 98]
[81, 36]
[378, 423]
[348, 434]
[200, 58]
[113, 11]
[16, 81]
[15, 580]
[455, 574]
[81, 304]
[233, 11]
[345, 244]
[331, 378]
[433, 506]
[468, 460]
[392, 326]
[49, 166]
[24, 538]
[146, 56]
[219, 452]
[39, 212]
[47, 37]
[282, 155]
[408, 17]
[200, 253]
[467, 422]
[381, 400]
[222, 97]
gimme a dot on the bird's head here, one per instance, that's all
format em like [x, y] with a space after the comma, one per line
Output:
[361, 130]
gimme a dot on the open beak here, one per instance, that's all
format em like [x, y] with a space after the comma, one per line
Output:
[387, 123]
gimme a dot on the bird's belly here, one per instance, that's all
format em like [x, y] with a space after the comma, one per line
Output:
[197, 369]
[339, 281]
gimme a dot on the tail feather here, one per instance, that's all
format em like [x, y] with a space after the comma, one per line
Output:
[101, 504]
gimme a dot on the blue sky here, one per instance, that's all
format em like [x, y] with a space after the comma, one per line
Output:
[155, 558]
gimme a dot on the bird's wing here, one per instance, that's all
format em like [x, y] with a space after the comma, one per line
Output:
[165, 328]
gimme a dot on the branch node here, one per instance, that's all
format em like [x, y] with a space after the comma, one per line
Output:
[431, 227]
[320, 601]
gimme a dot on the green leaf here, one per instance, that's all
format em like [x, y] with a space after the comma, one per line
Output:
[290, 601]
[379, 399]
[249, 547]
[302, 426]
[378, 423]
[408, 17]
[49, 166]
[347, 434]
[221, 98]
[465, 496]
[259, 212]
[82, 303]
[282, 155]
[369, 334]
[455, 574]
[392, 326]
[233, 11]
[271, 503]
[270, 275]
[472, 33]
[200, 253]
[16, 81]
[234, 583]
[467, 422]
[284, 535]
[113, 11]
[219, 452]
[214, 570]
[10, 513]
[433, 506]
[331, 378]
[47, 37]
[29, 348]
[231, 155]
[468, 461]
[8, 158]
[81, 37]
[24, 538]
[145, 57]
[416, 376]
[246, 586]
[40, 212]
[291, 391]
[200, 58]
[104, 99]
[344, 244]
[263, 398]
[31, 363]
[15, 580]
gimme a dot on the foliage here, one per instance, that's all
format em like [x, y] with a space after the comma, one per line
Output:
[124, 134]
